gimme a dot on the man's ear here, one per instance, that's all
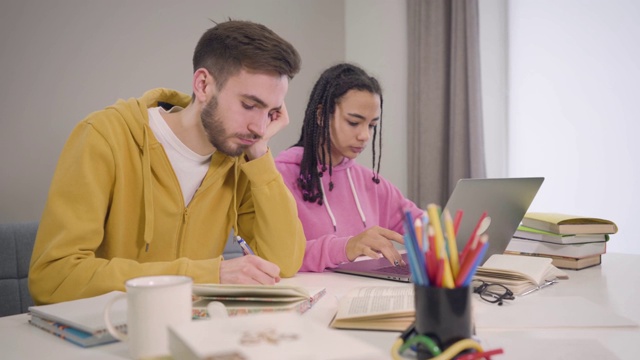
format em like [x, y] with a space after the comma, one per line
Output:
[204, 85]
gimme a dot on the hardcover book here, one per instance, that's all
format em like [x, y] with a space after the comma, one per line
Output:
[568, 224]
[524, 232]
[564, 262]
[80, 321]
[547, 248]
[78, 337]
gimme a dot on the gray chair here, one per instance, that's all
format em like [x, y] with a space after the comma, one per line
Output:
[232, 249]
[16, 242]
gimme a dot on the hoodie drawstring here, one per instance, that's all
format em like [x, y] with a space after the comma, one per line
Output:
[235, 205]
[355, 197]
[147, 190]
[326, 206]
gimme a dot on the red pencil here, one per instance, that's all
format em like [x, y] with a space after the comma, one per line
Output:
[456, 220]
[468, 266]
[432, 262]
[472, 238]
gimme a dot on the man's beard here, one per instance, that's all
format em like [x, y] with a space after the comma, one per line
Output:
[216, 133]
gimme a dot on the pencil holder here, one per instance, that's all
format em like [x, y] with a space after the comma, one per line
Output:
[442, 314]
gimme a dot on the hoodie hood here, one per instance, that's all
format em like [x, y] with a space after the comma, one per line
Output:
[135, 114]
[134, 111]
[293, 155]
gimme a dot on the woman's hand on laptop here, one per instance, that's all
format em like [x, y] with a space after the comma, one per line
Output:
[373, 242]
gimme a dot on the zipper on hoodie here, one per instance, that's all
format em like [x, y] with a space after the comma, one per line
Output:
[183, 229]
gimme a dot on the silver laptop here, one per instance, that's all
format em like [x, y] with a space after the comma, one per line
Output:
[505, 201]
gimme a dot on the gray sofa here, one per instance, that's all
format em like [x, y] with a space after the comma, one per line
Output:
[16, 242]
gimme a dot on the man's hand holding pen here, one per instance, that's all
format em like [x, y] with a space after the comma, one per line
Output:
[248, 269]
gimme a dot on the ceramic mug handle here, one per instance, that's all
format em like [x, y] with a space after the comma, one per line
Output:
[112, 329]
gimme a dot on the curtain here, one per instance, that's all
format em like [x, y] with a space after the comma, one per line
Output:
[445, 140]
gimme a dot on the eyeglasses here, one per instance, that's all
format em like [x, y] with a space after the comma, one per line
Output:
[493, 293]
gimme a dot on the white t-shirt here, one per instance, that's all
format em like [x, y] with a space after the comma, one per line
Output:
[190, 167]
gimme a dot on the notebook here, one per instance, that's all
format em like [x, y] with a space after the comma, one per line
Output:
[505, 200]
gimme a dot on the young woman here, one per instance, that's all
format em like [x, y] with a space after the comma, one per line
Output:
[347, 210]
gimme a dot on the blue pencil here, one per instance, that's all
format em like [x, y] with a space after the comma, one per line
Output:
[413, 251]
[476, 263]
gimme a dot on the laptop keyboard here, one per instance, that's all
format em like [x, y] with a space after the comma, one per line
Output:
[400, 269]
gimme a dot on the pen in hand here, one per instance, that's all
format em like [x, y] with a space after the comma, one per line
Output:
[245, 247]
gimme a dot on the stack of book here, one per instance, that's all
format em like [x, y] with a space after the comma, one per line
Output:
[572, 242]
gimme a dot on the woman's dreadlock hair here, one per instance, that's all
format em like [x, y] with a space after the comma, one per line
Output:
[334, 83]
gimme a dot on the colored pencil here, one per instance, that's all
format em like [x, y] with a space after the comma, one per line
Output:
[451, 240]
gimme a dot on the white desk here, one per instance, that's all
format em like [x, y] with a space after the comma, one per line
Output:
[615, 285]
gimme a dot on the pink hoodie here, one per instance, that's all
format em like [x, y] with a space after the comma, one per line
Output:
[350, 208]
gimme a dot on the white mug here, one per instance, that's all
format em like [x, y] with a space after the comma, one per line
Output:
[153, 303]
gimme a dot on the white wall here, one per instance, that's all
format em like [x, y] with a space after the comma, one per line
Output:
[573, 114]
[61, 60]
[376, 39]
[569, 96]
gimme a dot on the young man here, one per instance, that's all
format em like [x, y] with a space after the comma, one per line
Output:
[154, 185]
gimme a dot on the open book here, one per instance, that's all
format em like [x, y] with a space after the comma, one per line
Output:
[80, 321]
[376, 308]
[521, 274]
[249, 299]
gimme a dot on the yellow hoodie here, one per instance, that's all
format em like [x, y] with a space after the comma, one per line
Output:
[115, 210]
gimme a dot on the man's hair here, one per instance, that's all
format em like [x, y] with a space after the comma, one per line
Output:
[228, 47]
[332, 85]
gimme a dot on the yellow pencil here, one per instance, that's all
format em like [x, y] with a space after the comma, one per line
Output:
[434, 219]
[441, 252]
[451, 239]
[447, 278]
